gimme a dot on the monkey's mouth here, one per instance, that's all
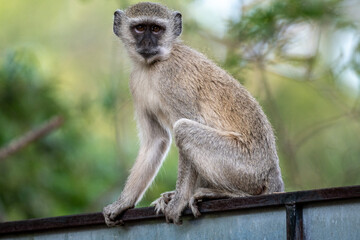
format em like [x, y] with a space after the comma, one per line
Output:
[145, 53]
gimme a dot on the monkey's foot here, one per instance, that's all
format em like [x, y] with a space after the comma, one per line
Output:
[208, 193]
[112, 213]
[193, 206]
[161, 203]
[173, 210]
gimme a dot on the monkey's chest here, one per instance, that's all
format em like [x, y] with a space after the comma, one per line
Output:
[146, 94]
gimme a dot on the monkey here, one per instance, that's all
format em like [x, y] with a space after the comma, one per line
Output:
[225, 142]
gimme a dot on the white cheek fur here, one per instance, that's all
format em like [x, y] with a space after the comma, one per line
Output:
[164, 51]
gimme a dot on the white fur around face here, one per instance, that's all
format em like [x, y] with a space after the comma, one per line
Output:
[165, 43]
[158, 21]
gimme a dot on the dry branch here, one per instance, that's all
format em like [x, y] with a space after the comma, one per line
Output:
[31, 136]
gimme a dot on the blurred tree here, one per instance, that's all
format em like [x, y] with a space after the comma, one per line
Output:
[305, 91]
[47, 177]
[315, 117]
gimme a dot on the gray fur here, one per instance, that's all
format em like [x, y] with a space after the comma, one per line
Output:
[118, 14]
[226, 144]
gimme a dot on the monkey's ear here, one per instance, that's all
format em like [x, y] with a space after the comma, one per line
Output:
[118, 14]
[177, 23]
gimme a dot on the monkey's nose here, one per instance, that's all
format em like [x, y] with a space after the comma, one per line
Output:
[148, 53]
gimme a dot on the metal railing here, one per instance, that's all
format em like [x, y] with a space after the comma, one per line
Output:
[292, 201]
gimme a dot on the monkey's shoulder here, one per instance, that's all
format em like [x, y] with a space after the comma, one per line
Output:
[192, 64]
[191, 70]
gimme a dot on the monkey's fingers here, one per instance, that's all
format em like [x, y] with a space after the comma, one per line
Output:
[119, 222]
[112, 223]
[168, 220]
[106, 214]
[113, 214]
[159, 209]
[167, 196]
[159, 205]
[194, 208]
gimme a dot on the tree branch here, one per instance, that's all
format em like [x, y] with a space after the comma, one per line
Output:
[31, 136]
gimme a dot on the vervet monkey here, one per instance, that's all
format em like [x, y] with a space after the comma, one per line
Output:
[226, 144]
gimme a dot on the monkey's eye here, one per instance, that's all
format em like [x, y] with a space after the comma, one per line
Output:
[155, 29]
[140, 28]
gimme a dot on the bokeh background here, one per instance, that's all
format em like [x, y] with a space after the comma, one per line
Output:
[300, 59]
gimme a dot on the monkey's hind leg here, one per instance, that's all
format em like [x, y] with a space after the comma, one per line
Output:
[221, 158]
[161, 203]
[209, 193]
[218, 157]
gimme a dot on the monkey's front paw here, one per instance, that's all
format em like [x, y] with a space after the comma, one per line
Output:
[161, 203]
[112, 213]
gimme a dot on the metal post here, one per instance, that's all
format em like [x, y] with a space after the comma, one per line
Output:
[294, 222]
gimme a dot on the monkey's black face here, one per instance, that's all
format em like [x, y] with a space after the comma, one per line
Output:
[147, 36]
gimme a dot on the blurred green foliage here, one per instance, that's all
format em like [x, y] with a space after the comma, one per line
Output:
[315, 113]
[263, 22]
[47, 177]
[61, 58]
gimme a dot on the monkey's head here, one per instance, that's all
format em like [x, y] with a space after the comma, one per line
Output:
[148, 31]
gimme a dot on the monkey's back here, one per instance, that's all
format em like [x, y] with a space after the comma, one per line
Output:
[212, 97]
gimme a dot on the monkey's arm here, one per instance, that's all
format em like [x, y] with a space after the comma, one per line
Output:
[155, 141]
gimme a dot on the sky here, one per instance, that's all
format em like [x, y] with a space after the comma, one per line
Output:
[214, 14]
